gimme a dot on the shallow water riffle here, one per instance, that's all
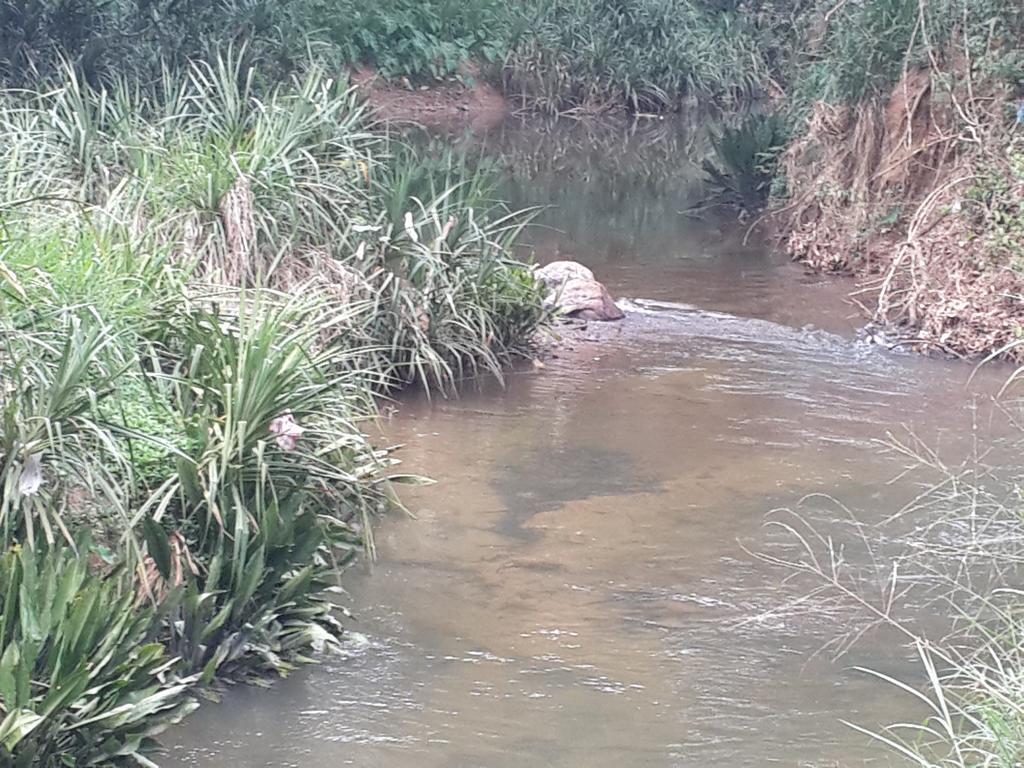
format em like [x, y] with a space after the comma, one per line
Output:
[578, 589]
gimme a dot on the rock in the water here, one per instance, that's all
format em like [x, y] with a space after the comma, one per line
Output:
[573, 290]
[587, 299]
[553, 275]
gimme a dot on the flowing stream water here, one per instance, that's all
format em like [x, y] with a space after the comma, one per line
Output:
[577, 590]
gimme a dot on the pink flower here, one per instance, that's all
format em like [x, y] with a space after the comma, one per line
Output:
[286, 431]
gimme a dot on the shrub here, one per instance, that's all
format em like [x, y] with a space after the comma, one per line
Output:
[258, 515]
[862, 50]
[417, 38]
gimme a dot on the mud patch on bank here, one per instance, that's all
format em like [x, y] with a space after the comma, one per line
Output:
[465, 102]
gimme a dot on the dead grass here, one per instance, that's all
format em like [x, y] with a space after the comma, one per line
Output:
[879, 192]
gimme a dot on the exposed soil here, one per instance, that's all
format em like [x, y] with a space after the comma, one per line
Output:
[883, 192]
[451, 105]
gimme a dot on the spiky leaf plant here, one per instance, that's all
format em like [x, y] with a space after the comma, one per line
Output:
[79, 683]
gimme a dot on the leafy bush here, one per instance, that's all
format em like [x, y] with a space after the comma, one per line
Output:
[430, 38]
[994, 212]
[417, 37]
[745, 157]
[102, 38]
[153, 435]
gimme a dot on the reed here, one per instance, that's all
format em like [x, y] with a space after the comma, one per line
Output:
[954, 554]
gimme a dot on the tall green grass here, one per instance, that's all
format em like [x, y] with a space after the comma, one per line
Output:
[648, 55]
[859, 51]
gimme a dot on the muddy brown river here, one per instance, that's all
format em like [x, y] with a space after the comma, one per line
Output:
[577, 590]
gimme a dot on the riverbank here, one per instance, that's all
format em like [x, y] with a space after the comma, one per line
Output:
[204, 290]
[926, 218]
[460, 103]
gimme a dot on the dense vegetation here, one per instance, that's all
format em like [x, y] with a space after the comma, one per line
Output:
[552, 54]
[201, 291]
[210, 263]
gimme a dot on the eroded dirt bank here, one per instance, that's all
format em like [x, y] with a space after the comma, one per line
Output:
[919, 197]
[457, 104]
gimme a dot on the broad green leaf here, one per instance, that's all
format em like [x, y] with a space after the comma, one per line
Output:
[16, 726]
[158, 544]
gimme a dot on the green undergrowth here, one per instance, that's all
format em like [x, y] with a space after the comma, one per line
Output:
[994, 210]
[205, 285]
[646, 55]
[551, 55]
[861, 50]
[421, 39]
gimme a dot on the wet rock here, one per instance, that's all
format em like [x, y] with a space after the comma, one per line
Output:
[880, 335]
[587, 300]
[555, 274]
[895, 340]
[573, 290]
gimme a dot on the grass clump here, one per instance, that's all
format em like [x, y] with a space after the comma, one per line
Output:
[942, 576]
[649, 55]
[743, 165]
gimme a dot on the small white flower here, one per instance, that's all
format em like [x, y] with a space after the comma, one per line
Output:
[287, 431]
[410, 228]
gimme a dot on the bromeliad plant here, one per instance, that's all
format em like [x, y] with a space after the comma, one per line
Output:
[51, 381]
[745, 157]
[246, 534]
[80, 684]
